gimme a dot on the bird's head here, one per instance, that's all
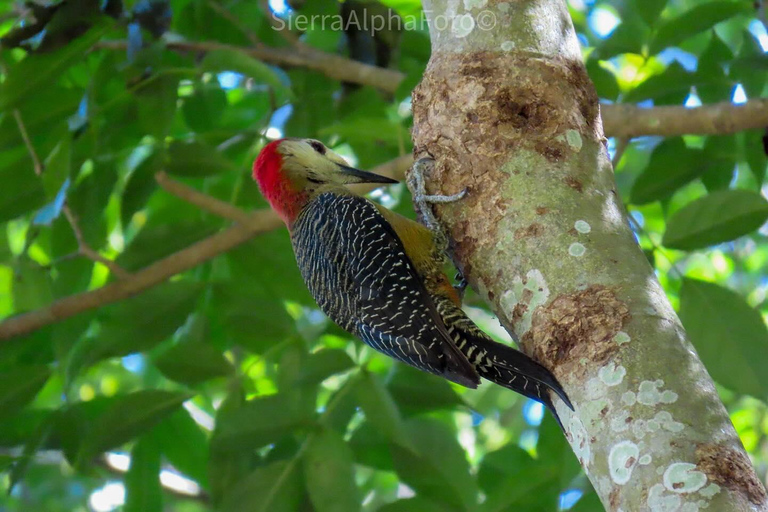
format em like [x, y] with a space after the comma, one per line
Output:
[292, 171]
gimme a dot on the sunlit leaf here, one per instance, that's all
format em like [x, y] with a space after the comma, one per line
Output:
[695, 20]
[717, 217]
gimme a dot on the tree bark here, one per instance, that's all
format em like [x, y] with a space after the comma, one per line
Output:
[507, 110]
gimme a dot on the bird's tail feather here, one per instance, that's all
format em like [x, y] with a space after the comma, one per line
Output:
[514, 370]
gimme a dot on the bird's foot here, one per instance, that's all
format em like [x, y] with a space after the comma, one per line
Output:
[461, 285]
[422, 201]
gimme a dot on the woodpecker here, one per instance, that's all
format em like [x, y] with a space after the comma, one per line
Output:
[379, 275]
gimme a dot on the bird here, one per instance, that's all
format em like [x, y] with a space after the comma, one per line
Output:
[379, 275]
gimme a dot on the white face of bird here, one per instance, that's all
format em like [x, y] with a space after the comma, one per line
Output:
[309, 163]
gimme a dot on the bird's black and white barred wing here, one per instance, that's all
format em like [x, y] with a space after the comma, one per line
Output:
[356, 268]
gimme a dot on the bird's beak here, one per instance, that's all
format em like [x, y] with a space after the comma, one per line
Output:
[351, 175]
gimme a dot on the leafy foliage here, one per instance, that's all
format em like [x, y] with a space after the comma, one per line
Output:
[226, 374]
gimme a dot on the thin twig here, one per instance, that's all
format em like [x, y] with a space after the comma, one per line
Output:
[85, 250]
[38, 165]
[202, 201]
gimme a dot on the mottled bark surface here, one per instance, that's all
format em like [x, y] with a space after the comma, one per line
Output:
[507, 110]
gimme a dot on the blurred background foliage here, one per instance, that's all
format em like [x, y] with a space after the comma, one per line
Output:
[225, 387]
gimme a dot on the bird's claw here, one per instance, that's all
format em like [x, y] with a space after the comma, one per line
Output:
[421, 199]
[461, 284]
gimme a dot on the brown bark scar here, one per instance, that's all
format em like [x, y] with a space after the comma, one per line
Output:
[731, 469]
[575, 326]
[532, 231]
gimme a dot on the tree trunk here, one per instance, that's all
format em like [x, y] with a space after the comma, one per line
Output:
[507, 110]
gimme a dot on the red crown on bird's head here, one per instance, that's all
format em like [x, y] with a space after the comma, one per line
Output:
[275, 186]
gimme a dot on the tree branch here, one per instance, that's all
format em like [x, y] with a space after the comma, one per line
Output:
[86, 251]
[618, 120]
[332, 66]
[248, 226]
[627, 121]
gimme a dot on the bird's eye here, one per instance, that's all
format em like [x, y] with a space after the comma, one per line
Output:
[317, 146]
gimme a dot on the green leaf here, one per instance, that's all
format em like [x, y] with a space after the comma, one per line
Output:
[416, 504]
[34, 443]
[698, 19]
[203, 109]
[193, 363]
[720, 157]
[330, 474]
[513, 480]
[184, 444]
[628, 37]
[439, 471]
[715, 218]
[259, 422]
[371, 449]
[157, 104]
[380, 410]
[650, 10]
[89, 200]
[154, 242]
[728, 334]
[750, 67]
[605, 81]
[416, 391]
[141, 322]
[57, 167]
[31, 285]
[41, 70]
[755, 150]
[226, 467]
[23, 192]
[671, 86]
[129, 416]
[272, 488]
[140, 186]
[195, 159]
[143, 492]
[256, 329]
[221, 60]
[19, 386]
[672, 165]
[713, 84]
[321, 365]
